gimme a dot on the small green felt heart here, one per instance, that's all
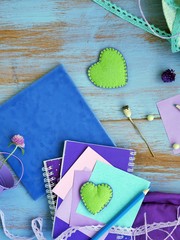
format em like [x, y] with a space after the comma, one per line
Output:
[110, 71]
[95, 197]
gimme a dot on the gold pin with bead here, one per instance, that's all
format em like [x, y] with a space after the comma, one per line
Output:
[177, 106]
[127, 112]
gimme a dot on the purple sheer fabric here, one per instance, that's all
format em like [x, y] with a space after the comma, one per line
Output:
[159, 207]
[162, 222]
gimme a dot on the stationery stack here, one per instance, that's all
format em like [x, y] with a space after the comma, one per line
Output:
[95, 164]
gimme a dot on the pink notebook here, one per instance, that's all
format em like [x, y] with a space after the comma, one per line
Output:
[171, 119]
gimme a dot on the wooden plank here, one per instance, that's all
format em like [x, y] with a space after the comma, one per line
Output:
[107, 103]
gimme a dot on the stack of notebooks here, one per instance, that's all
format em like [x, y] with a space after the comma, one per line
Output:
[82, 162]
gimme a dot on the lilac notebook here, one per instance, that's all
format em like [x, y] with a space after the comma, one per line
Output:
[118, 157]
[51, 172]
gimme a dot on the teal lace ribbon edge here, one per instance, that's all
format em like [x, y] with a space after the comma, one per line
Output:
[175, 43]
[138, 22]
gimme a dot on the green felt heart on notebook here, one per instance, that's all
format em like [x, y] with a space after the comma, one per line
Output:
[95, 197]
[110, 71]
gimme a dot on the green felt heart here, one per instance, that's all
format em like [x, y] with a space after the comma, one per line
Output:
[95, 197]
[110, 71]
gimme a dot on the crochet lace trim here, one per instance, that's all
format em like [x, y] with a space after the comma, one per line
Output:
[145, 229]
[36, 226]
[132, 232]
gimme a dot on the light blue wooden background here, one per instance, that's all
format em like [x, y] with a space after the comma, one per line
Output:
[37, 35]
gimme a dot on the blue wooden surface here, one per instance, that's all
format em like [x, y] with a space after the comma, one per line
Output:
[36, 35]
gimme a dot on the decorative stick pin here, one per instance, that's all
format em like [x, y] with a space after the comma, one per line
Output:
[177, 106]
[127, 112]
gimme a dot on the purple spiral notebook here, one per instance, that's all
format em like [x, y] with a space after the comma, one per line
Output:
[51, 172]
[118, 157]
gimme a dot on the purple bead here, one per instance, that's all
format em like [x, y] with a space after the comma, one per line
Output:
[168, 75]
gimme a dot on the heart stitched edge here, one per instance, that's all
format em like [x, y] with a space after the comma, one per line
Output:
[102, 184]
[100, 59]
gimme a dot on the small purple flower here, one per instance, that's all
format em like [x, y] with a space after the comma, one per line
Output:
[18, 140]
[168, 75]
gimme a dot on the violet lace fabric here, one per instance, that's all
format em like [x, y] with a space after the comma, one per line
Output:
[159, 207]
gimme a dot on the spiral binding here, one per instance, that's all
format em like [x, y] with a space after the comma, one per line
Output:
[49, 184]
[131, 161]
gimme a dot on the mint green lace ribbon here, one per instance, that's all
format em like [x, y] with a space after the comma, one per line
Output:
[139, 22]
[175, 43]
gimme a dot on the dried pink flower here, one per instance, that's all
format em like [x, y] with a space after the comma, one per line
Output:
[18, 140]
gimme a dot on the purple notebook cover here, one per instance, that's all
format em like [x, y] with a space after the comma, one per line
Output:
[54, 166]
[51, 175]
[118, 157]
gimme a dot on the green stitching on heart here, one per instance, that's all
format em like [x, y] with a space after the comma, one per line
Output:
[110, 71]
[95, 197]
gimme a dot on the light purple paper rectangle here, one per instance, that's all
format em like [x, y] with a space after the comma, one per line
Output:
[80, 177]
[67, 210]
[171, 119]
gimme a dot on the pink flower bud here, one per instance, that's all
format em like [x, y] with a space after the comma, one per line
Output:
[18, 140]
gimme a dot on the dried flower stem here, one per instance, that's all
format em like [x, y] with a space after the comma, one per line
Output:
[137, 129]
[5, 160]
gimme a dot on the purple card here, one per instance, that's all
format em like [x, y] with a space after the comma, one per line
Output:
[119, 157]
[171, 119]
[80, 177]
[67, 210]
